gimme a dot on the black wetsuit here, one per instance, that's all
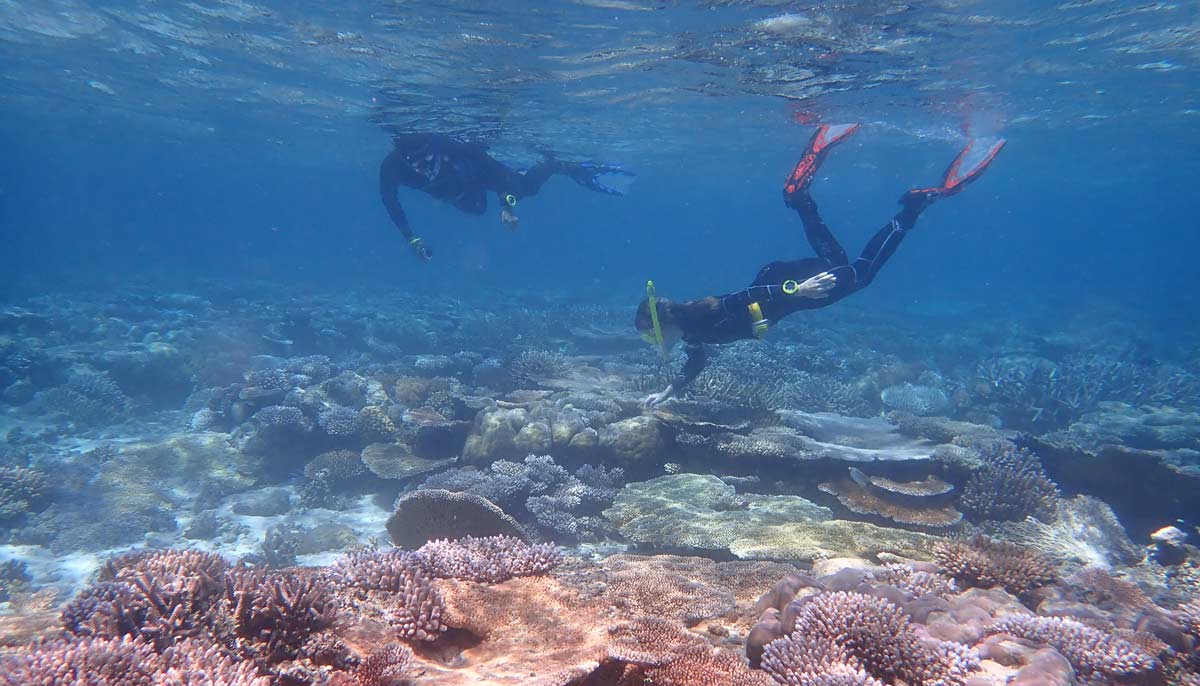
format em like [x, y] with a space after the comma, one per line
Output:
[458, 173]
[733, 320]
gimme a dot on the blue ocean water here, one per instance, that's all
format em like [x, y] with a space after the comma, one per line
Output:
[182, 179]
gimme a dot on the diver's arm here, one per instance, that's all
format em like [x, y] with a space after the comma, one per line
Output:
[390, 179]
[697, 357]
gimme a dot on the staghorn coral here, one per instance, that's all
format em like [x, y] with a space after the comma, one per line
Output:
[1090, 651]
[275, 612]
[981, 562]
[868, 632]
[491, 559]
[1010, 486]
[158, 596]
[414, 605]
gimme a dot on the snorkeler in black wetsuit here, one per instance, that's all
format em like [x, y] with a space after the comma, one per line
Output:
[462, 174]
[782, 288]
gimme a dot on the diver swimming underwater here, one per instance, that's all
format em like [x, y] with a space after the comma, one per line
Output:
[462, 174]
[784, 287]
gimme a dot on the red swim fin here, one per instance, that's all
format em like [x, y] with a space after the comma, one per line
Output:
[827, 136]
[970, 163]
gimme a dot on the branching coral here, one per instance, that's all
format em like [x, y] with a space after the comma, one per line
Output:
[559, 502]
[385, 666]
[800, 660]
[1010, 486]
[125, 661]
[415, 606]
[983, 563]
[1089, 650]
[87, 398]
[22, 490]
[532, 366]
[862, 631]
[340, 464]
[274, 612]
[491, 559]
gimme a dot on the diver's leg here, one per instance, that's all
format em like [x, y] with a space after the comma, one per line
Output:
[882, 245]
[819, 236]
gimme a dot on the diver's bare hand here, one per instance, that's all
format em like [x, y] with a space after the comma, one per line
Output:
[817, 287]
[510, 219]
[654, 399]
[419, 249]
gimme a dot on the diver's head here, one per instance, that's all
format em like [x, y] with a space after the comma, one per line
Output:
[667, 322]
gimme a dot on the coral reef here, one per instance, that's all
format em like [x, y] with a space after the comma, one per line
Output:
[541, 494]
[916, 503]
[488, 560]
[431, 514]
[1010, 486]
[981, 562]
[1090, 651]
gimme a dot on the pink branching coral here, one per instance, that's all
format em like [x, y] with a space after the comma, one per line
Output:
[125, 661]
[275, 612]
[981, 562]
[491, 559]
[862, 632]
[1090, 651]
[800, 660]
[161, 596]
[414, 607]
[385, 666]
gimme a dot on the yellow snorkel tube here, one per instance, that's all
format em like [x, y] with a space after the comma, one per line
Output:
[652, 301]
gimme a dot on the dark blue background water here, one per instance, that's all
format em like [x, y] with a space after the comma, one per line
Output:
[1062, 222]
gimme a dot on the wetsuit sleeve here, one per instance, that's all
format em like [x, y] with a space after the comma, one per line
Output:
[390, 180]
[697, 357]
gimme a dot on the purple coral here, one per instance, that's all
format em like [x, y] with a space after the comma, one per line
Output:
[125, 661]
[385, 666]
[491, 559]
[93, 661]
[862, 631]
[1090, 651]
[800, 660]
[417, 607]
[274, 612]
